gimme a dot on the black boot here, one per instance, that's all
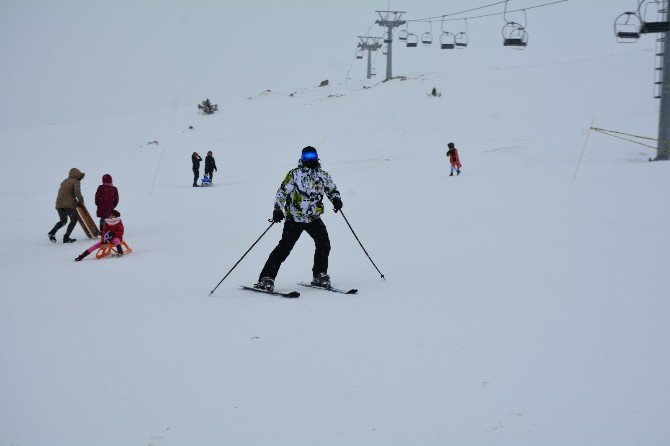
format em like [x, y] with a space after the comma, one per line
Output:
[322, 280]
[119, 251]
[69, 240]
[81, 256]
[265, 283]
[52, 238]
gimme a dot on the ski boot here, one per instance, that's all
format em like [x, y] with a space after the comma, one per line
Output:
[69, 240]
[458, 172]
[451, 174]
[265, 283]
[81, 256]
[52, 238]
[322, 280]
[119, 251]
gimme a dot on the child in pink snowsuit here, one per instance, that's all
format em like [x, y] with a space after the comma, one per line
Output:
[452, 153]
[112, 232]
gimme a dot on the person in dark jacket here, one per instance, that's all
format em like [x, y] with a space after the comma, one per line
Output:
[106, 199]
[69, 197]
[210, 165]
[195, 158]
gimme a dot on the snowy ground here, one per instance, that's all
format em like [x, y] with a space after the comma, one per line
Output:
[522, 306]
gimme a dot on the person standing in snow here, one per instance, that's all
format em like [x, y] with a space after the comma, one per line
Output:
[106, 199]
[455, 161]
[300, 195]
[112, 233]
[69, 197]
[210, 166]
[195, 158]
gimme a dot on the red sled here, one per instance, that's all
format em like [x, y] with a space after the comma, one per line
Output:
[109, 249]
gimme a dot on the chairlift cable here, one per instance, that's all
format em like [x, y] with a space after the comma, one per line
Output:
[456, 13]
[485, 15]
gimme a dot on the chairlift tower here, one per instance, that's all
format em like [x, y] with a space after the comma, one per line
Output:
[369, 44]
[388, 40]
[663, 146]
[651, 17]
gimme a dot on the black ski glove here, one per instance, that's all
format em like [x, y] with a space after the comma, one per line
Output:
[277, 215]
[337, 204]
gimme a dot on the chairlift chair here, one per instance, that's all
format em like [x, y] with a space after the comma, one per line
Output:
[447, 41]
[515, 36]
[461, 40]
[412, 40]
[402, 35]
[627, 27]
[427, 38]
[373, 71]
[654, 16]
[359, 54]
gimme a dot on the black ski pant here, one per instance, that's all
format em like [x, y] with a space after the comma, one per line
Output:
[196, 175]
[63, 214]
[290, 235]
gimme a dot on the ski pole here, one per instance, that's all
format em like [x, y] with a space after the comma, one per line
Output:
[231, 269]
[359, 242]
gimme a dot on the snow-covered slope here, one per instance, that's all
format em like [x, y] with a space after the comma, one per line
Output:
[525, 301]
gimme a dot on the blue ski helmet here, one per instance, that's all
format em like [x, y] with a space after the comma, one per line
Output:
[309, 157]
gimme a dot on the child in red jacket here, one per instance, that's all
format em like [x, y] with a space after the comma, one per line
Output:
[452, 153]
[112, 233]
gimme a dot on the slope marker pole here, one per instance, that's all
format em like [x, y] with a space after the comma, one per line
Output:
[583, 149]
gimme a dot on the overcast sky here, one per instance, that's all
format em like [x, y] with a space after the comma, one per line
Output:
[65, 60]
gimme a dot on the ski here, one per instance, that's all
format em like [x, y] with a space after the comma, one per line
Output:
[334, 290]
[292, 294]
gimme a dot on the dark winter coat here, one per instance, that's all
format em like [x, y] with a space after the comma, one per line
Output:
[106, 197]
[115, 226]
[210, 164]
[69, 193]
[453, 157]
[196, 161]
